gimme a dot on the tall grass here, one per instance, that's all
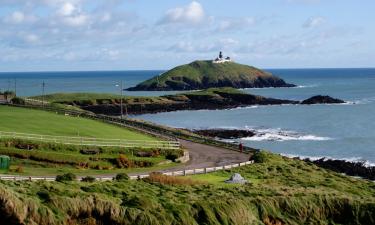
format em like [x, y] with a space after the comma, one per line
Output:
[281, 191]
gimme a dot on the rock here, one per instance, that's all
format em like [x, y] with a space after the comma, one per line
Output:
[320, 99]
[236, 179]
[225, 133]
[350, 168]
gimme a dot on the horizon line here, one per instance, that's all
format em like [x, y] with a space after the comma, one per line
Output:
[130, 70]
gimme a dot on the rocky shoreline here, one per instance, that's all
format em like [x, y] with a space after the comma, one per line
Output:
[215, 100]
[358, 169]
[225, 133]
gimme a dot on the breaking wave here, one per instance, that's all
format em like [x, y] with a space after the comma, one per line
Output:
[281, 135]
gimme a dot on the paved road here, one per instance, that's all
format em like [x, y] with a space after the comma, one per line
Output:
[208, 156]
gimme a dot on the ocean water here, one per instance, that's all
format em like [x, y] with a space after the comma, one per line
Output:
[344, 131]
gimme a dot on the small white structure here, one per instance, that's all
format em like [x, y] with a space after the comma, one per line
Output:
[236, 179]
[221, 59]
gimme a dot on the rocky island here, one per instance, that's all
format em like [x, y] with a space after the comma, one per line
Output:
[221, 72]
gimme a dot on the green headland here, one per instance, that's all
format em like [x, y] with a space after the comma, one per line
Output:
[207, 74]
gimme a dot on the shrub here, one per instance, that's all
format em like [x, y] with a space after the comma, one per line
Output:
[19, 169]
[66, 177]
[18, 101]
[88, 179]
[123, 162]
[259, 157]
[44, 195]
[121, 177]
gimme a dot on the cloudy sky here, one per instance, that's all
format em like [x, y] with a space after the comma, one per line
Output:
[48, 35]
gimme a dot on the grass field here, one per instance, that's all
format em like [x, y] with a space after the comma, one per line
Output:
[40, 122]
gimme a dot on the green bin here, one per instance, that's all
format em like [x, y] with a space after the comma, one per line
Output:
[4, 162]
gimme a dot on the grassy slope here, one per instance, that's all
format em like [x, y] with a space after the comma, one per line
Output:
[282, 191]
[70, 98]
[40, 122]
[198, 70]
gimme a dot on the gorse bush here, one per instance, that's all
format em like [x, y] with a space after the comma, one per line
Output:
[121, 177]
[66, 177]
[88, 179]
[260, 157]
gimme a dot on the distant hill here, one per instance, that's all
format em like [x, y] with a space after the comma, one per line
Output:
[207, 74]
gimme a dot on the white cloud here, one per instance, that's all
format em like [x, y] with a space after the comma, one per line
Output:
[18, 17]
[31, 38]
[236, 23]
[192, 13]
[314, 22]
[76, 21]
[67, 9]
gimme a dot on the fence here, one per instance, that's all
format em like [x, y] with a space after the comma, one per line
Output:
[86, 141]
[141, 176]
[153, 129]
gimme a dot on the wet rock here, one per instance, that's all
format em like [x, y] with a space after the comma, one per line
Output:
[320, 99]
[225, 133]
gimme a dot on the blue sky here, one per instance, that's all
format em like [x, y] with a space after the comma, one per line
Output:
[50, 35]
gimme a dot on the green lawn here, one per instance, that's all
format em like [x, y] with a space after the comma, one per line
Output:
[40, 122]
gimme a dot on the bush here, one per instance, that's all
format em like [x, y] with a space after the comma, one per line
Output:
[44, 195]
[66, 177]
[123, 162]
[88, 179]
[18, 101]
[121, 177]
[259, 157]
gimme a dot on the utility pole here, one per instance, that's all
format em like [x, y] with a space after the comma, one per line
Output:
[122, 112]
[15, 86]
[43, 86]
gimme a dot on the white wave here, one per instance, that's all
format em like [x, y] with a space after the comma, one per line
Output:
[244, 107]
[280, 135]
[306, 86]
[365, 101]
[314, 158]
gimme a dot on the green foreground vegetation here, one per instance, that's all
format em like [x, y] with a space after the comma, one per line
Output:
[23, 120]
[281, 191]
[48, 159]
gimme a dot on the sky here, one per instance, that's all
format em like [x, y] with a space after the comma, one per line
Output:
[73, 35]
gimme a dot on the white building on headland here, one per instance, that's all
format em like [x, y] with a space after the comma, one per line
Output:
[221, 59]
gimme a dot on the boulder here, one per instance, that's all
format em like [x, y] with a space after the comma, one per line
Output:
[236, 179]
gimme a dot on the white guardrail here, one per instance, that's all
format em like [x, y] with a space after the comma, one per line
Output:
[135, 177]
[87, 141]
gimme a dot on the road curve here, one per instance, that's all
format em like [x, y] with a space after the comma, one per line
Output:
[201, 156]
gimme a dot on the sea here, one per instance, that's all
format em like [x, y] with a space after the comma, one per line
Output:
[344, 131]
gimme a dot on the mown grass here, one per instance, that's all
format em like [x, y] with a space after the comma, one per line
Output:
[40, 122]
[286, 192]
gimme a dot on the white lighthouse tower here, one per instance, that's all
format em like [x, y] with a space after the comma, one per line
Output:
[221, 59]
